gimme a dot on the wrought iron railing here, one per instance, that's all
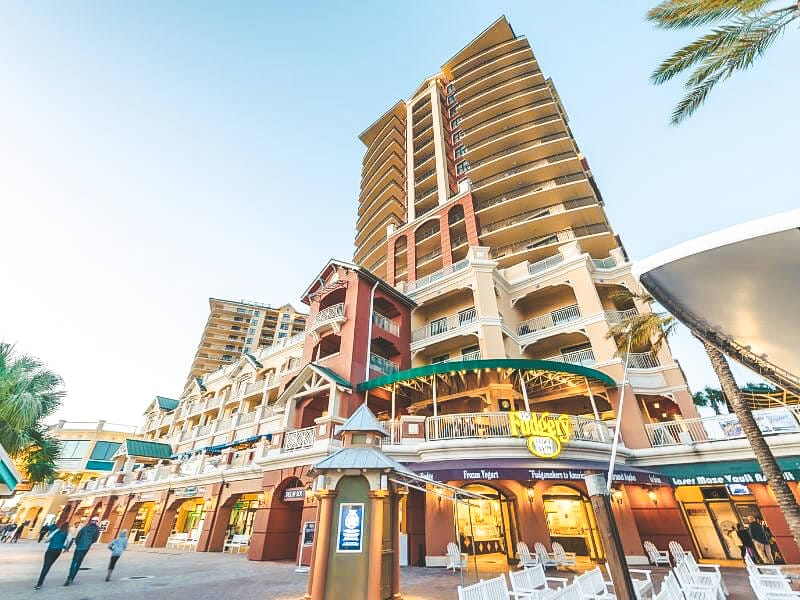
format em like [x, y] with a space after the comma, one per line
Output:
[618, 316]
[642, 360]
[583, 357]
[328, 314]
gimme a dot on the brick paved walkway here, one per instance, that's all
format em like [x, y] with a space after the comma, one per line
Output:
[200, 576]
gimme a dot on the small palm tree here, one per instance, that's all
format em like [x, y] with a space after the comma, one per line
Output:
[711, 397]
[657, 326]
[747, 29]
[29, 393]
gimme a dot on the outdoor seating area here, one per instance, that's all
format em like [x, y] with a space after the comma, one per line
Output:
[769, 582]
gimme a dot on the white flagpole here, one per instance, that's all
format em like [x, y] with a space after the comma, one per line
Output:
[615, 444]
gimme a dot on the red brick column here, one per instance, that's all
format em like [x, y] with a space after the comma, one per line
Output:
[411, 257]
[470, 220]
[444, 236]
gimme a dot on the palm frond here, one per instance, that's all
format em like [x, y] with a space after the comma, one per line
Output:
[676, 14]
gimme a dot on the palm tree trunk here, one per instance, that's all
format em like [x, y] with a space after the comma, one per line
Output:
[769, 466]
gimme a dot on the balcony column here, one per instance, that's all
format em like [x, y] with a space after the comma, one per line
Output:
[490, 334]
[435, 409]
[410, 163]
[444, 239]
[524, 387]
[439, 145]
[377, 504]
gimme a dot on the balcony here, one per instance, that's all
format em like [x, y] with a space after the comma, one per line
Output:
[385, 323]
[423, 282]
[604, 264]
[615, 317]
[557, 237]
[496, 425]
[247, 418]
[771, 421]
[642, 360]
[204, 430]
[382, 365]
[550, 320]
[299, 439]
[328, 318]
[474, 355]
[545, 264]
[445, 325]
[583, 357]
[254, 387]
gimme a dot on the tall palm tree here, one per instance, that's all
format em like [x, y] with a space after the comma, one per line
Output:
[29, 393]
[746, 28]
[639, 329]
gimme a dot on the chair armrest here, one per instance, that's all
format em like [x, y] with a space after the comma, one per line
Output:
[709, 566]
[641, 572]
[562, 580]
[570, 554]
[773, 578]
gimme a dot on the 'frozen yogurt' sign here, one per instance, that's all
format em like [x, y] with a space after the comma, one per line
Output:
[546, 433]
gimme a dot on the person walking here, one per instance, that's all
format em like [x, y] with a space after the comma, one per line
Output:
[760, 540]
[86, 537]
[18, 531]
[56, 540]
[45, 529]
[747, 542]
[8, 531]
[117, 547]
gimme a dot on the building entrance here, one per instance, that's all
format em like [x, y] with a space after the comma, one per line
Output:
[189, 518]
[570, 521]
[141, 523]
[243, 514]
[487, 527]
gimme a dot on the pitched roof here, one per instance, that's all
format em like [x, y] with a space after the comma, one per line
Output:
[362, 420]
[166, 403]
[319, 281]
[360, 458]
[326, 372]
[147, 449]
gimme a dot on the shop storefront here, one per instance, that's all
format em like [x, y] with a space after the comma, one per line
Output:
[243, 515]
[142, 523]
[571, 522]
[488, 527]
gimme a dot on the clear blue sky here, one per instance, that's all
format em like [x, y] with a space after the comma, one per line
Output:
[153, 154]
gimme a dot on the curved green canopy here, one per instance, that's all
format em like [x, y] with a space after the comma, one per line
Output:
[520, 364]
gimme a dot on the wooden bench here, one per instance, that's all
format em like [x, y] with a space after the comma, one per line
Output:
[490, 589]
[534, 584]
[238, 541]
[177, 540]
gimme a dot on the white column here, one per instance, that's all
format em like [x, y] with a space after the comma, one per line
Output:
[435, 408]
[410, 162]
[524, 391]
[591, 399]
[439, 145]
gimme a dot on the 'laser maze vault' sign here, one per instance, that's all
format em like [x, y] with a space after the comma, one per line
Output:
[546, 433]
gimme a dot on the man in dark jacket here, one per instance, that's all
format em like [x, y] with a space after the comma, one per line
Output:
[46, 528]
[760, 540]
[18, 532]
[87, 536]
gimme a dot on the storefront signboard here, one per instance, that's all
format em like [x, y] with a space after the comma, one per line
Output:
[727, 472]
[145, 496]
[294, 494]
[308, 533]
[189, 492]
[351, 530]
[545, 433]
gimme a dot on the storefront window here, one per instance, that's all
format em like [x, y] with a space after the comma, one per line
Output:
[242, 515]
[141, 523]
[487, 527]
[570, 520]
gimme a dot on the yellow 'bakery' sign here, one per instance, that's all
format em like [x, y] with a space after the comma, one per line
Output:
[546, 433]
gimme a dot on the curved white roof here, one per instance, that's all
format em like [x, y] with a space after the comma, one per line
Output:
[743, 282]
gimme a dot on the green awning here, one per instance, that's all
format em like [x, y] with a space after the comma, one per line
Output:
[147, 449]
[166, 403]
[497, 363]
[331, 375]
[99, 465]
[731, 471]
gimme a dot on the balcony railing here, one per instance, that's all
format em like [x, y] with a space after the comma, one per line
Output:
[427, 233]
[496, 425]
[770, 421]
[204, 430]
[186, 435]
[385, 323]
[247, 418]
[618, 316]
[545, 264]
[299, 439]
[551, 319]
[583, 357]
[642, 360]
[531, 189]
[436, 275]
[255, 386]
[444, 325]
[224, 424]
[474, 355]
[429, 256]
[382, 365]
[604, 263]
[330, 313]
[535, 164]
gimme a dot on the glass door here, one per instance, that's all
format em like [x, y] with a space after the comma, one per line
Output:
[705, 533]
[726, 520]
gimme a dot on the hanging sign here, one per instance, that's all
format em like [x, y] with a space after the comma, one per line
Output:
[189, 492]
[546, 433]
[351, 530]
[294, 494]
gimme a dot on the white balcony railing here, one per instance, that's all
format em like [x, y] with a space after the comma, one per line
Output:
[474, 355]
[496, 425]
[247, 418]
[382, 365]
[770, 421]
[186, 435]
[436, 276]
[642, 360]
[299, 439]
[440, 326]
[326, 315]
[583, 357]
[224, 424]
[385, 323]
[618, 316]
[204, 430]
[253, 387]
[604, 263]
[551, 319]
[545, 264]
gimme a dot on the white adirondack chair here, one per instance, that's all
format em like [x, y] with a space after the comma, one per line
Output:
[532, 583]
[490, 589]
[563, 559]
[766, 587]
[688, 578]
[677, 552]
[455, 558]
[545, 558]
[706, 568]
[656, 556]
[525, 558]
[672, 590]
[593, 585]
[571, 592]
[755, 569]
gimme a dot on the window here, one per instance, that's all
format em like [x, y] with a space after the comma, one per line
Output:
[249, 340]
[451, 98]
[73, 448]
[239, 310]
[457, 136]
[104, 450]
[455, 122]
[451, 88]
[284, 326]
[227, 357]
[257, 313]
[462, 167]
[453, 110]
[238, 318]
[251, 331]
[282, 334]
[461, 151]
[235, 328]
[440, 359]
[253, 321]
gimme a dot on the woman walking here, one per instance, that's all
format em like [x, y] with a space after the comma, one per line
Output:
[117, 547]
[57, 540]
[747, 546]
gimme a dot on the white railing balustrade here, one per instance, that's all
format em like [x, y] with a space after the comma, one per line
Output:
[604, 263]
[496, 425]
[253, 387]
[247, 418]
[443, 325]
[394, 429]
[642, 360]
[204, 430]
[545, 264]
[213, 402]
[583, 357]
[618, 316]
[299, 439]
[382, 365]
[771, 421]
[185, 435]
[385, 323]
[474, 355]
[224, 424]
[551, 319]
[330, 313]
[436, 275]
